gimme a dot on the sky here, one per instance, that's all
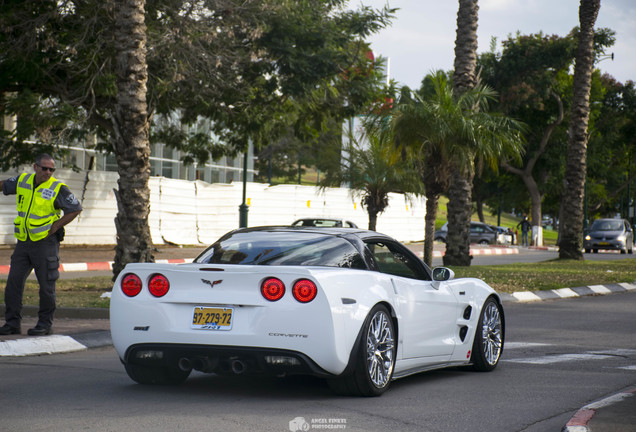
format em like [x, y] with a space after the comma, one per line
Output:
[421, 38]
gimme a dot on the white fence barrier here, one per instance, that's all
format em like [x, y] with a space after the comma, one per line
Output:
[193, 213]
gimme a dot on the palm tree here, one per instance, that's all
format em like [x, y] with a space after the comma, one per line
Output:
[571, 228]
[450, 131]
[374, 167]
[132, 149]
[459, 193]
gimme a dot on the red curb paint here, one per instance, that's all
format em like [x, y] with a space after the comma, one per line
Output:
[176, 261]
[581, 418]
[98, 266]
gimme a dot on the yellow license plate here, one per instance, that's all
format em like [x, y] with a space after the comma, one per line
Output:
[603, 243]
[211, 318]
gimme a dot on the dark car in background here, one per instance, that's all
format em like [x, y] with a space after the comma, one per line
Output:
[479, 233]
[609, 234]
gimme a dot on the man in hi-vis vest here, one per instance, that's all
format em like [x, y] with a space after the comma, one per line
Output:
[44, 206]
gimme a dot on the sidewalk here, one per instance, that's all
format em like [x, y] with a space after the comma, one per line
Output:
[73, 330]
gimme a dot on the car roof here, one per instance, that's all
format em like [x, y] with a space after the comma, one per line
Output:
[327, 231]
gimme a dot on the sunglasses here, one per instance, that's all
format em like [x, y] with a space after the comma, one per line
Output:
[43, 168]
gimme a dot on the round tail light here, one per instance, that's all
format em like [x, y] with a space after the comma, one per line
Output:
[131, 285]
[304, 290]
[273, 289]
[158, 285]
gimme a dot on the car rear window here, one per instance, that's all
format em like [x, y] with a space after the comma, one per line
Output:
[278, 249]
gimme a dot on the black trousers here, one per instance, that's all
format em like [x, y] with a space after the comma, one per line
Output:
[43, 257]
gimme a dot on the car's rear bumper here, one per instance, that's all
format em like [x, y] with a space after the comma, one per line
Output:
[223, 359]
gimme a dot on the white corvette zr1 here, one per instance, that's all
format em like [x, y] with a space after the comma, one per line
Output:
[353, 306]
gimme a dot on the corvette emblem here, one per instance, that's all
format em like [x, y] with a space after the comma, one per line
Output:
[212, 283]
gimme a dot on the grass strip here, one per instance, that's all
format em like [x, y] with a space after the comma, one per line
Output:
[552, 274]
[546, 275]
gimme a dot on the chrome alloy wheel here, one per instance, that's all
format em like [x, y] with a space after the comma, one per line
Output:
[380, 349]
[491, 333]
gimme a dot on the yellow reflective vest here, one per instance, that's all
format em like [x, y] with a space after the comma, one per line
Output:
[36, 212]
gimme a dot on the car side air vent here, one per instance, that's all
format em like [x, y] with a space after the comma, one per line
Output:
[467, 312]
[211, 269]
[462, 333]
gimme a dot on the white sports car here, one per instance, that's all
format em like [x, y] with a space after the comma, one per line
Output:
[353, 306]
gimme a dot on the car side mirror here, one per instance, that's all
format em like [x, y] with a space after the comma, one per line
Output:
[441, 274]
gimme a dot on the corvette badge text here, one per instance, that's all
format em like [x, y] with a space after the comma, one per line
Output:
[289, 335]
[300, 424]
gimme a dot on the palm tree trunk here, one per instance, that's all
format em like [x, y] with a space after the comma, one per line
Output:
[459, 212]
[432, 202]
[373, 219]
[459, 193]
[571, 228]
[132, 148]
[465, 46]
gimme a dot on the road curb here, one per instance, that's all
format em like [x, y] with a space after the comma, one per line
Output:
[581, 420]
[584, 291]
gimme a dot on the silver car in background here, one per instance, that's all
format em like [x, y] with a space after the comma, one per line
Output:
[609, 234]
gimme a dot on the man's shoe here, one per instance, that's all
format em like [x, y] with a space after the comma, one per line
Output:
[39, 331]
[8, 330]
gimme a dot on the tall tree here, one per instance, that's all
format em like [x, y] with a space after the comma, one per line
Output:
[445, 130]
[571, 226]
[130, 126]
[459, 194]
[531, 74]
[527, 74]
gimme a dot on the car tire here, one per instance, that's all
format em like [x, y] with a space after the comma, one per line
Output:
[484, 242]
[489, 337]
[156, 375]
[440, 239]
[374, 360]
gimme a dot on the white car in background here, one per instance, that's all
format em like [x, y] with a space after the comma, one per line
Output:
[324, 223]
[352, 306]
